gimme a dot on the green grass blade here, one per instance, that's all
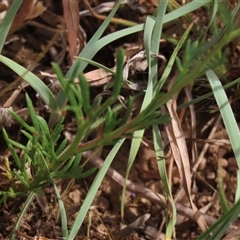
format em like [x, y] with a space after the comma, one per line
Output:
[221, 194]
[22, 122]
[147, 36]
[32, 113]
[184, 10]
[7, 21]
[33, 81]
[96, 44]
[227, 116]
[61, 147]
[94, 39]
[208, 95]
[171, 61]
[21, 215]
[12, 149]
[93, 190]
[214, 10]
[119, 74]
[85, 97]
[156, 35]
[96, 64]
[152, 33]
[137, 136]
[163, 173]
[56, 133]
[62, 211]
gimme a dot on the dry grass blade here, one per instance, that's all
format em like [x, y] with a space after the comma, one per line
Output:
[193, 122]
[14, 95]
[71, 16]
[180, 154]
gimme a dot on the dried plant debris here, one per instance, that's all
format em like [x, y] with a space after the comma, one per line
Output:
[5, 117]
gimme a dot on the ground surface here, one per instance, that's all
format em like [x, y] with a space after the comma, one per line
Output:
[24, 46]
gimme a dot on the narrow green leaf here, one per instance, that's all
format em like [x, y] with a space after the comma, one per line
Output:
[22, 213]
[119, 73]
[32, 113]
[128, 111]
[56, 133]
[94, 39]
[171, 61]
[157, 140]
[62, 211]
[36, 83]
[61, 146]
[7, 21]
[76, 173]
[66, 167]
[93, 190]
[28, 135]
[18, 145]
[85, 95]
[21, 179]
[221, 194]
[22, 122]
[96, 64]
[12, 150]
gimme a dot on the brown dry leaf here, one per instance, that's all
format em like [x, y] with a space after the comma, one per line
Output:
[71, 16]
[180, 154]
[98, 77]
[95, 78]
[28, 10]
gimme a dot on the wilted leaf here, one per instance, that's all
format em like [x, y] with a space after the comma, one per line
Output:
[28, 10]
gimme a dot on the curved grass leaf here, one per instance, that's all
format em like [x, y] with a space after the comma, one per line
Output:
[35, 82]
[7, 21]
[62, 211]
